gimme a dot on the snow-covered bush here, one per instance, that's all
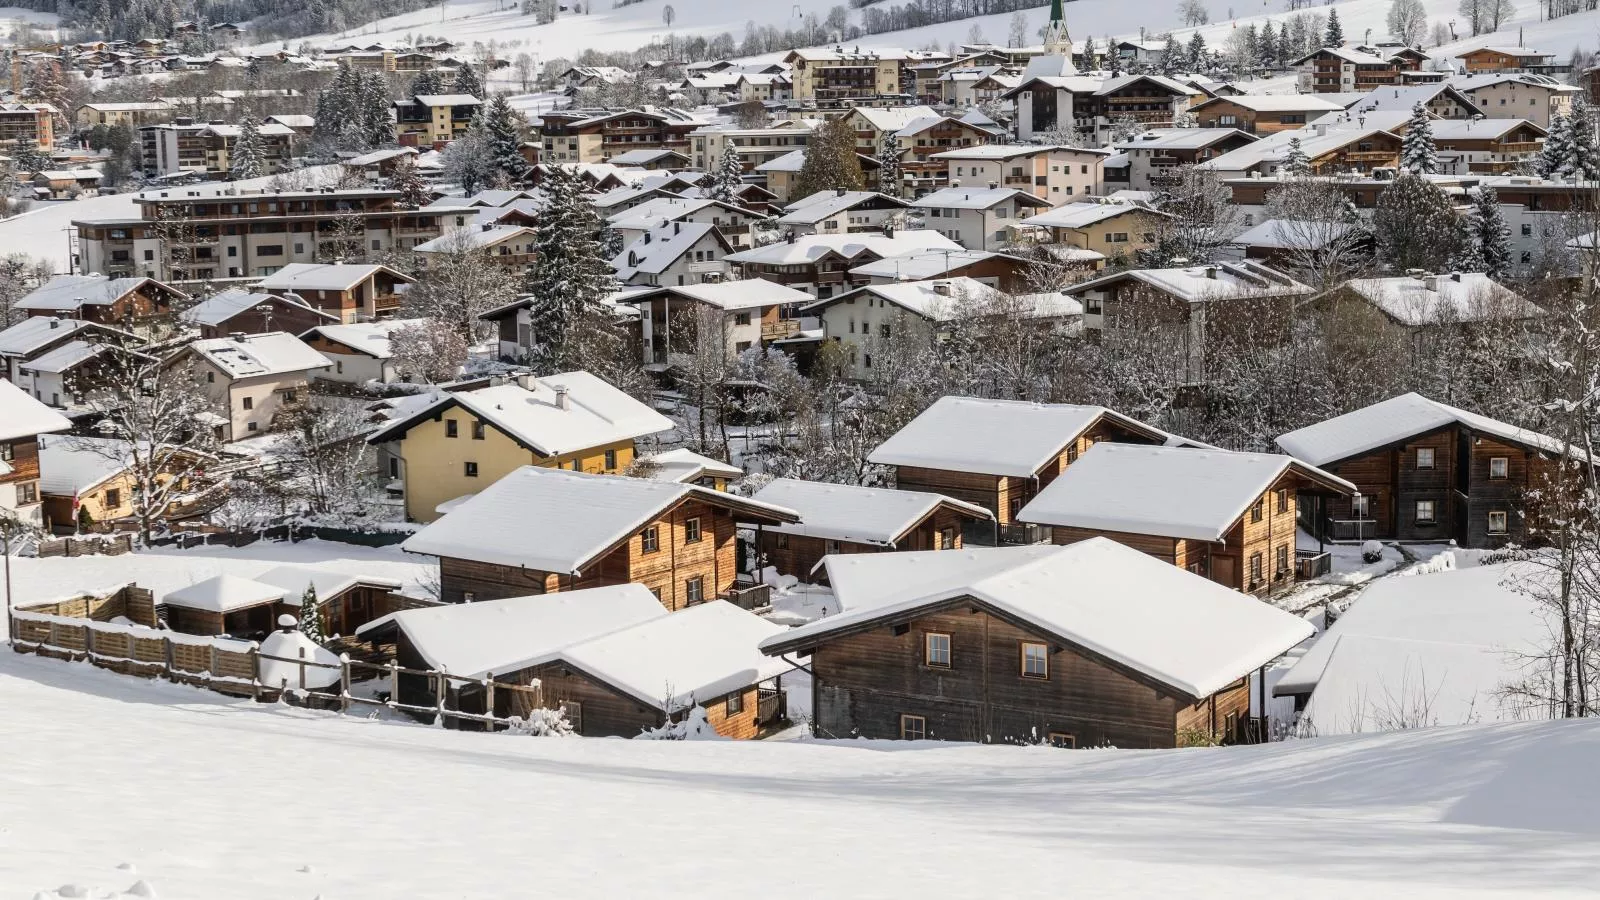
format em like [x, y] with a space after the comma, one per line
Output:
[542, 723]
[1371, 552]
[693, 727]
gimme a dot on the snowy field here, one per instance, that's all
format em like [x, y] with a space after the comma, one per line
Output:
[110, 782]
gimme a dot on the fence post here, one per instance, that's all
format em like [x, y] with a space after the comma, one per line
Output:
[255, 671]
[211, 667]
[440, 687]
[167, 663]
[394, 683]
[88, 644]
[302, 669]
[344, 683]
[488, 700]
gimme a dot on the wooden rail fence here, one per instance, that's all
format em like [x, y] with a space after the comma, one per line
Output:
[233, 667]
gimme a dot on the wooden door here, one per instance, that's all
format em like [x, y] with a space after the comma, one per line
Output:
[1225, 570]
[357, 611]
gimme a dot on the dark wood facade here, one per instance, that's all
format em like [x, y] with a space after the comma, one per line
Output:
[868, 681]
[1460, 495]
[21, 455]
[798, 555]
[285, 316]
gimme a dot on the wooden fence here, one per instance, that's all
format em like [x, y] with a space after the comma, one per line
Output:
[233, 667]
[90, 545]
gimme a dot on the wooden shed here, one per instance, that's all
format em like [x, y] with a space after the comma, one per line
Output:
[226, 604]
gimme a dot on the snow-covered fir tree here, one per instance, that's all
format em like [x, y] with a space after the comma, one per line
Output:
[1172, 55]
[1583, 152]
[405, 178]
[1417, 152]
[891, 179]
[1334, 37]
[1113, 57]
[466, 82]
[1415, 225]
[428, 81]
[1267, 46]
[831, 162]
[1556, 150]
[311, 616]
[377, 127]
[503, 137]
[572, 278]
[1295, 161]
[1493, 235]
[247, 159]
[1469, 252]
[469, 162]
[729, 176]
[1198, 60]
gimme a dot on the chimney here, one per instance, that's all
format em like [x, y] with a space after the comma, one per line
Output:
[237, 336]
[487, 226]
[791, 236]
[1431, 282]
[677, 227]
[561, 398]
[55, 322]
[525, 380]
[838, 192]
[1456, 277]
[1211, 272]
[994, 185]
[647, 237]
[942, 288]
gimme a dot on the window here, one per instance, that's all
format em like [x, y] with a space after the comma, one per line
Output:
[694, 590]
[1360, 506]
[1499, 466]
[1497, 522]
[1424, 512]
[1035, 660]
[1424, 457]
[650, 540]
[1063, 740]
[1072, 454]
[468, 596]
[211, 378]
[1258, 509]
[741, 318]
[113, 498]
[1093, 305]
[1527, 230]
[451, 429]
[947, 538]
[477, 430]
[471, 469]
[1116, 237]
[288, 396]
[1256, 566]
[913, 728]
[691, 530]
[248, 403]
[394, 467]
[936, 650]
[611, 459]
[735, 703]
[253, 426]
[573, 710]
[830, 546]
[780, 541]
[28, 492]
[1283, 561]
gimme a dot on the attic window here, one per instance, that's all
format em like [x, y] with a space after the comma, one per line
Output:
[900, 630]
[1424, 457]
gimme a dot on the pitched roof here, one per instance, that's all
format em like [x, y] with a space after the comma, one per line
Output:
[596, 413]
[368, 338]
[920, 265]
[684, 465]
[34, 332]
[223, 594]
[1443, 299]
[1131, 488]
[71, 465]
[1394, 420]
[580, 518]
[70, 292]
[748, 293]
[253, 355]
[1144, 615]
[1273, 103]
[325, 276]
[976, 198]
[825, 204]
[812, 247]
[657, 249]
[862, 515]
[1200, 284]
[22, 416]
[229, 303]
[939, 299]
[994, 437]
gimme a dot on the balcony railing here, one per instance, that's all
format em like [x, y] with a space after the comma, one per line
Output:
[1024, 533]
[749, 596]
[1309, 564]
[771, 331]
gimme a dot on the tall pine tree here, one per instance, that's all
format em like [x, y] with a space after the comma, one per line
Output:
[503, 134]
[428, 81]
[1199, 61]
[1553, 157]
[467, 82]
[1295, 161]
[891, 177]
[1172, 58]
[831, 163]
[1267, 46]
[573, 279]
[1492, 234]
[405, 178]
[1417, 152]
[311, 616]
[1583, 153]
[1335, 34]
[247, 159]
[1415, 224]
[729, 177]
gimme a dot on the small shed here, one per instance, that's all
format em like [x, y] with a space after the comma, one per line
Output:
[226, 604]
[345, 601]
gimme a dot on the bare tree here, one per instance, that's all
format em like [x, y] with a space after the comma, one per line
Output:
[460, 283]
[1193, 13]
[325, 447]
[1408, 21]
[429, 350]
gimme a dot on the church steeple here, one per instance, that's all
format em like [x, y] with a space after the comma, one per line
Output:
[1056, 39]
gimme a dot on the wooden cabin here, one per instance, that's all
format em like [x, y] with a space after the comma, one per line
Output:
[998, 454]
[1090, 645]
[685, 466]
[1424, 471]
[238, 311]
[350, 292]
[344, 602]
[132, 304]
[589, 531]
[608, 657]
[226, 604]
[846, 518]
[23, 420]
[1229, 517]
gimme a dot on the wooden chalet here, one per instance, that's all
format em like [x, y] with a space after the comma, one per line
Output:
[226, 605]
[590, 531]
[1229, 517]
[239, 311]
[1424, 471]
[1090, 645]
[345, 602]
[350, 291]
[1262, 114]
[998, 454]
[685, 466]
[1503, 59]
[1411, 311]
[608, 657]
[822, 264]
[23, 420]
[132, 304]
[38, 336]
[845, 518]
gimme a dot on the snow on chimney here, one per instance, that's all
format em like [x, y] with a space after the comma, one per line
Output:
[1431, 282]
[525, 381]
[561, 398]
[942, 288]
[1211, 272]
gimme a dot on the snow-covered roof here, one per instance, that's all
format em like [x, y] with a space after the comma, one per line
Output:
[579, 517]
[1203, 284]
[501, 636]
[377, 156]
[1445, 642]
[935, 299]
[748, 293]
[253, 355]
[894, 118]
[1401, 98]
[1275, 102]
[657, 249]
[994, 437]
[862, 515]
[369, 338]
[976, 198]
[1331, 133]
[1291, 234]
[919, 266]
[1082, 215]
[684, 465]
[474, 238]
[812, 247]
[224, 593]
[293, 580]
[596, 413]
[1174, 492]
[22, 416]
[67, 357]
[71, 292]
[1443, 299]
[1392, 421]
[34, 332]
[826, 204]
[1004, 152]
[448, 100]
[72, 465]
[1178, 139]
[643, 157]
[1478, 129]
[229, 303]
[1149, 616]
[324, 276]
[658, 210]
[1469, 83]
[792, 161]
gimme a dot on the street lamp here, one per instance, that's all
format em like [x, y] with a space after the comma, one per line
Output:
[1359, 510]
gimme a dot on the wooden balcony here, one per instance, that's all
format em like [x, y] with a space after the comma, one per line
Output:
[772, 331]
[386, 302]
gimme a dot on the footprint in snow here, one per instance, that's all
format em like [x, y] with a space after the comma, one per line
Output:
[141, 888]
[126, 867]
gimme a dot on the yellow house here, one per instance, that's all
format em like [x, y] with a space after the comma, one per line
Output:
[90, 481]
[463, 442]
[1109, 227]
[427, 119]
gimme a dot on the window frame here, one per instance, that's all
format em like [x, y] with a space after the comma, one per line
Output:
[573, 710]
[734, 704]
[1505, 522]
[1023, 657]
[469, 469]
[913, 728]
[650, 539]
[1258, 509]
[929, 654]
[478, 432]
[1504, 466]
[1433, 458]
[1433, 512]
[1062, 740]
[694, 590]
[692, 532]
[452, 428]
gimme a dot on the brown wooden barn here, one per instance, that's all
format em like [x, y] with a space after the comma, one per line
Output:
[998, 454]
[1424, 471]
[846, 518]
[608, 656]
[226, 604]
[1229, 517]
[540, 530]
[1090, 645]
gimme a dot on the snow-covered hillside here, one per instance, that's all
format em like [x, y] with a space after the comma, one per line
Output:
[632, 27]
[109, 781]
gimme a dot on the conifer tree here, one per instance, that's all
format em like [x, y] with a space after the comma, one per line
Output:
[1197, 53]
[247, 158]
[1493, 235]
[1554, 155]
[467, 82]
[1335, 34]
[573, 278]
[1172, 57]
[1415, 224]
[831, 163]
[414, 193]
[1417, 152]
[1113, 57]
[1267, 46]
[1295, 161]
[428, 81]
[503, 135]
[311, 616]
[372, 105]
[729, 176]
[1469, 252]
[891, 178]
[1583, 153]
